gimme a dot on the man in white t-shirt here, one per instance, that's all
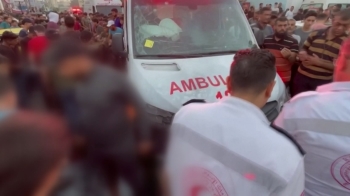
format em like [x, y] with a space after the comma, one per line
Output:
[228, 148]
[275, 9]
[320, 121]
[289, 13]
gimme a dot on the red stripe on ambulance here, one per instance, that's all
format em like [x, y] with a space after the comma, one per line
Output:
[196, 83]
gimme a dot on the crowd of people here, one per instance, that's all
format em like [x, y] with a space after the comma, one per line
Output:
[305, 55]
[72, 124]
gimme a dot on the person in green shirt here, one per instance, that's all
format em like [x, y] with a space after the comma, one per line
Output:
[6, 23]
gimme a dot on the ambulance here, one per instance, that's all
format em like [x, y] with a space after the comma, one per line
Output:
[179, 50]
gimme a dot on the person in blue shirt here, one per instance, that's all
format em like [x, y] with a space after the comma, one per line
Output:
[116, 18]
[113, 29]
[6, 23]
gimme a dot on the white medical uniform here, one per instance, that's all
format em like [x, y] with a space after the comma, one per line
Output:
[320, 122]
[227, 148]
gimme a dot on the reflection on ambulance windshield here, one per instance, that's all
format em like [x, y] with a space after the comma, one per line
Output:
[185, 28]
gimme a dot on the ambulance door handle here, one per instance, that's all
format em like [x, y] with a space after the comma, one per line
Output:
[161, 66]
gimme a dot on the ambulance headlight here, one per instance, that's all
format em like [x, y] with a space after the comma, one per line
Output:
[271, 110]
[158, 115]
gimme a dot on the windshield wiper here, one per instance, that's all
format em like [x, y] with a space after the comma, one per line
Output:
[219, 52]
[174, 56]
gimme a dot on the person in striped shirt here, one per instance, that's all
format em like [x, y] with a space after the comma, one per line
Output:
[318, 53]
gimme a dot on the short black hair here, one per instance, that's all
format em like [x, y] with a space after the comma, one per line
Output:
[248, 75]
[305, 11]
[26, 20]
[8, 35]
[273, 17]
[264, 9]
[69, 21]
[322, 16]
[94, 20]
[300, 10]
[115, 10]
[62, 50]
[31, 30]
[39, 28]
[343, 14]
[31, 146]
[310, 13]
[281, 19]
[86, 36]
[6, 17]
[320, 9]
[348, 6]
[338, 6]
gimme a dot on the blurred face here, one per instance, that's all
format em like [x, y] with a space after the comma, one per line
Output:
[11, 43]
[9, 20]
[27, 25]
[256, 15]
[292, 8]
[339, 27]
[265, 17]
[292, 25]
[281, 29]
[309, 21]
[76, 68]
[114, 13]
[272, 23]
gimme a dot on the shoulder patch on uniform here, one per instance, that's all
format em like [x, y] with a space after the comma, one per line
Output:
[194, 101]
[288, 136]
[303, 95]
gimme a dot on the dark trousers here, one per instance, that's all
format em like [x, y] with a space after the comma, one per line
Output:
[303, 83]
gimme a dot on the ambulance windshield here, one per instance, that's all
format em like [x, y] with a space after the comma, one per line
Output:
[181, 28]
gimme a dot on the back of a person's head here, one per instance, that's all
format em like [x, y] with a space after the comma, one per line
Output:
[63, 50]
[321, 17]
[86, 36]
[33, 149]
[252, 71]
[52, 35]
[39, 28]
[273, 17]
[338, 6]
[69, 21]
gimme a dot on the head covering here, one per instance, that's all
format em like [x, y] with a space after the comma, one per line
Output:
[110, 23]
[53, 17]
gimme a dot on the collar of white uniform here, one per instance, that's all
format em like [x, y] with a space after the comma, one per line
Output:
[245, 105]
[334, 86]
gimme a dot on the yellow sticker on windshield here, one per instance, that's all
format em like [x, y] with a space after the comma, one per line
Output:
[149, 43]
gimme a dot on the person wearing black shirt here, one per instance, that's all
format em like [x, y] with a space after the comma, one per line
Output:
[299, 16]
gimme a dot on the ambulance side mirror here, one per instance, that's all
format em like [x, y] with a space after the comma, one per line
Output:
[117, 45]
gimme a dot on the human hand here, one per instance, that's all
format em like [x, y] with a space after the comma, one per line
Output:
[286, 53]
[302, 56]
[314, 59]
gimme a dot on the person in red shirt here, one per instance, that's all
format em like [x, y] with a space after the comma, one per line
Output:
[37, 45]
